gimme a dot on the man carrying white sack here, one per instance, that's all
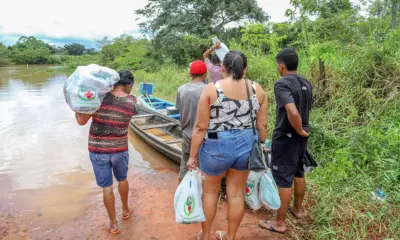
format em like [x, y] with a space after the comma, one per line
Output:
[108, 144]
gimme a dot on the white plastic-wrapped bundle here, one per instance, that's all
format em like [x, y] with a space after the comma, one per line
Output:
[222, 51]
[85, 89]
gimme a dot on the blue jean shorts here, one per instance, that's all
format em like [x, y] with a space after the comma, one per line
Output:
[106, 163]
[230, 150]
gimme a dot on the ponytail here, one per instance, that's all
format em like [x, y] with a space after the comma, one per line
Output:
[235, 62]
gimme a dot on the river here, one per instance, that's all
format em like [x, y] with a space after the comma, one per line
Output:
[45, 171]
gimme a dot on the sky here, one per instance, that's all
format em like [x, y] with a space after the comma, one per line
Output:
[61, 22]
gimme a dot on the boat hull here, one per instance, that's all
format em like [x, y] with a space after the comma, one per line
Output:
[157, 104]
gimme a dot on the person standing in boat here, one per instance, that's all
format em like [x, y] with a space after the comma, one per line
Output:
[108, 145]
[214, 65]
[187, 100]
[223, 137]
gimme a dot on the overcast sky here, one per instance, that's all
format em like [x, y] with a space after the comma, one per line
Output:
[60, 21]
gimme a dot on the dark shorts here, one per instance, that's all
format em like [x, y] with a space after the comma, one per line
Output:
[287, 154]
[230, 150]
[106, 163]
[186, 145]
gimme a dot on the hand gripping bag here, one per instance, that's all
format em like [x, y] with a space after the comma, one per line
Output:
[188, 199]
[251, 190]
[222, 51]
[85, 89]
[269, 194]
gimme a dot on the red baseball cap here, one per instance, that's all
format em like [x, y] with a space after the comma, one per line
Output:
[198, 67]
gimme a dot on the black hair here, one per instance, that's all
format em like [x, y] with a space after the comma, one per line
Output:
[126, 77]
[289, 58]
[235, 62]
[215, 59]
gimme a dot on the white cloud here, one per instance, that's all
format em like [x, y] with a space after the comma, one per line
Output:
[89, 19]
[72, 18]
[275, 8]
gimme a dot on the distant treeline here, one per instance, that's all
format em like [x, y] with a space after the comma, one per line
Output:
[29, 50]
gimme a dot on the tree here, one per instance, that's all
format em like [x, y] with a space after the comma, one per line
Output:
[197, 17]
[4, 52]
[171, 23]
[75, 49]
[91, 51]
[395, 9]
[383, 8]
[33, 51]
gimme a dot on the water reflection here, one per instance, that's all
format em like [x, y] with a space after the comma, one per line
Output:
[38, 135]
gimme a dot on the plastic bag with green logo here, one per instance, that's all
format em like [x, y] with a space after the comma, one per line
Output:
[269, 193]
[251, 190]
[85, 89]
[187, 199]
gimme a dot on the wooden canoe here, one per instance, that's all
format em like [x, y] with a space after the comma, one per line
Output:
[161, 132]
[160, 105]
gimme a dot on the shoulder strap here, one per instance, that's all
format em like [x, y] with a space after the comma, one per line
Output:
[251, 107]
[220, 92]
[253, 84]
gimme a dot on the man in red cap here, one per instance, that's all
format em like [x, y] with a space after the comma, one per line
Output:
[187, 100]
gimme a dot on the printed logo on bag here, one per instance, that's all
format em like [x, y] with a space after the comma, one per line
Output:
[248, 190]
[101, 74]
[189, 205]
[86, 94]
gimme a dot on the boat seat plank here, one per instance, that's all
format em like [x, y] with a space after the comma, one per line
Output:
[146, 127]
[143, 116]
[174, 141]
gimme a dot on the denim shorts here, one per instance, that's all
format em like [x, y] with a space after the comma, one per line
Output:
[106, 163]
[230, 150]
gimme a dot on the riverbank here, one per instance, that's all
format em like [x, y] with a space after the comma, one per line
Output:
[151, 193]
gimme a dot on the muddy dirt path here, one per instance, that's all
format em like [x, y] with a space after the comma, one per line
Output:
[152, 195]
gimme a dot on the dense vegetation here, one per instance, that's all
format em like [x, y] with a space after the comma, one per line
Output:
[29, 50]
[350, 52]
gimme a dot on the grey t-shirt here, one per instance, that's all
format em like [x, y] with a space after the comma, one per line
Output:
[187, 101]
[295, 89]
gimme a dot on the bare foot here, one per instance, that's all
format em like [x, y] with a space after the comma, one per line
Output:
[297, 213]
[273, 226]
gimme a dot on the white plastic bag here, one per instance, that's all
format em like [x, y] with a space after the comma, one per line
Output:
[222, 51]
[269, 194]
[251, 190]
[187, 200]
[85, 89]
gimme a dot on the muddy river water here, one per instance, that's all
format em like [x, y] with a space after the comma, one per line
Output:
[45, 171]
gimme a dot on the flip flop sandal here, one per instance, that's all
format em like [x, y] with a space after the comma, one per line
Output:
[269, 228]
[199, 235]
[220, 235]
[127, 217]
[112, 231]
